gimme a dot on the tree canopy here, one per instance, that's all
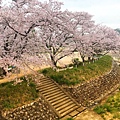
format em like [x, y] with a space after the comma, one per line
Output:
[41, 32]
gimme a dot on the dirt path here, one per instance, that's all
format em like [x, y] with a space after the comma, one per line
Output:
[26, 71]
[88, 115]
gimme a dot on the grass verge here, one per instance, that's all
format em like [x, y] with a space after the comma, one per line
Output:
[111, 108]
[81, 73]
[12, 96]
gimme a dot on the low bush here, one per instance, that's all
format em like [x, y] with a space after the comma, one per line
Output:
[76, 61]
[99, 110]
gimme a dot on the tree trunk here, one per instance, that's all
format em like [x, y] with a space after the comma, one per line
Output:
[53, 62]
[89, 59]
[83, 60]
[93, 60]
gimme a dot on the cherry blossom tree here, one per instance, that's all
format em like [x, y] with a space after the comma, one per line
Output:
[104, 40]
[67, 35]
[36, 28]
[57, 37]
[40, 32]
[83, 26]
[18, 23]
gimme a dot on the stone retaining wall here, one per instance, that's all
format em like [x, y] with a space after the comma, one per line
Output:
[88, 92]
[38, 110]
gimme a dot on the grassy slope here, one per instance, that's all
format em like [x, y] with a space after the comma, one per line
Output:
[82, 73]
[111, 108]
[13, 96]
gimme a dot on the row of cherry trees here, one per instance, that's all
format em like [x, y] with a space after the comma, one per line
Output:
[41, 32]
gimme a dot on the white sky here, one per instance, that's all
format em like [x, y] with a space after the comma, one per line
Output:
[106, 12]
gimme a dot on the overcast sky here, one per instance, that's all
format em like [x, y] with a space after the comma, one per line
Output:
[106, 12]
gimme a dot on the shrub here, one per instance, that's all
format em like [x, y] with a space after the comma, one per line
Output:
[44, 71]
[107, 107]
[99, 110]
[31, 84]
[76, 61]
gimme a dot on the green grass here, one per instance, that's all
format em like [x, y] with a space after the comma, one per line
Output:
[12, 96]
[111, 106]
[81, 73]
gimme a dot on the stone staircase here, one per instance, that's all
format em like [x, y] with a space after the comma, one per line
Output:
[60, 101]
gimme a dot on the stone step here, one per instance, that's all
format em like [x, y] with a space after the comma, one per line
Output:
[48, 90]
[65, 105]
[43, 80]
[53, 94]
[74, 113]
[65, 112]
[47, 83]
[58, 98]
[46, 86]
[56, 105]
[60, 102]
[61, 111]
